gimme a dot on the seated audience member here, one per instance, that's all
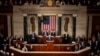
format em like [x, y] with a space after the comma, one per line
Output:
[16, 45]
[9, 41]
[66, 38]
[32, 39]
[1, 52]
[19, 46]
[76, 48]
[5, 47]
[78, 39]
[83, 45]
[31, 48]
[15, 37]
[25, 48]
[89, 43]
[80, 47]
[45, 33]
[97, 47]
[53, 33]
[6, 54]
[12, 54]
[93, 46]
[83, 38]
[21, 39]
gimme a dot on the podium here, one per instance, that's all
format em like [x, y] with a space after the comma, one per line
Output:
[50, 45]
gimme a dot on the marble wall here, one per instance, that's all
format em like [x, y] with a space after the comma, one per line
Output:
[68, 10]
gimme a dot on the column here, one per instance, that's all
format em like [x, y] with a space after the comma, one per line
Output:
[87, 28]
[39, 24]
[90, 26]
[74, 27]
[59, 24]
[9, 19]
[25, 26]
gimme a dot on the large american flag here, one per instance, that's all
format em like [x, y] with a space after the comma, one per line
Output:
[49, 23]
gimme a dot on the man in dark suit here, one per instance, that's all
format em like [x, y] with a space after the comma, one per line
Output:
[93, 45]
[53, 33]
[78, 39]
[49, 37]
[45, 33]
[32, 39]
[66, 39]
[83, 45]
[25, 48]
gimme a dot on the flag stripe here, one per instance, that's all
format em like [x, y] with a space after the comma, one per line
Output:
[51, 26]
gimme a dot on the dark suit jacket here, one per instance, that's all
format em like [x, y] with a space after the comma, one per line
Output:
[83, 46]
[93, 47]
[32, 38]
[53, 34]
[45, 33]
[66, 39]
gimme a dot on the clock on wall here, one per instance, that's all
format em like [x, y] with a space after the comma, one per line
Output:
[50, 3]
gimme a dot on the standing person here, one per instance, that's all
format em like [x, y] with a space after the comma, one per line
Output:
[49, 38]
[66, 38]
[45, 33]
[78, 39]
[53, 33]
[33, 38]
[83, 45]
[93, 46]
[25, 48]
[76, 48]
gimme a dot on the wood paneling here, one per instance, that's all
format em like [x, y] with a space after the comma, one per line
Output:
[48, 46]
[83, 52]
[6, 9]
[95, 24]
[3, 25]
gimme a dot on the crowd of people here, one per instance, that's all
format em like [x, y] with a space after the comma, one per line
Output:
[93, 42]
[62, 2]
[6, 42]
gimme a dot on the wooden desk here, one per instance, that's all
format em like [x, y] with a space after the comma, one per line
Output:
[17, 52]
[42, 40]
[49, 46]
[65, 47]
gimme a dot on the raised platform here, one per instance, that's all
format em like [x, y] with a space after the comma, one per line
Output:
[17, 52]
